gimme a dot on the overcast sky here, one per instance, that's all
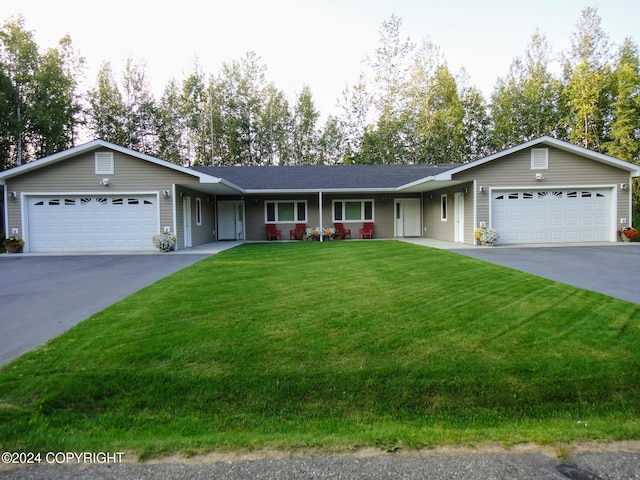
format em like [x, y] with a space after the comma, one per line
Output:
[321, 43]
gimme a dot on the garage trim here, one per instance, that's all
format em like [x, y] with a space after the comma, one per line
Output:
[612, 204]
[26, 196]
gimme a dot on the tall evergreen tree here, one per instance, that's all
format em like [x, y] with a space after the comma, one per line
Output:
[332, 143]
[305, 131]
[107, 110]
[170, 126]
[140, 108]
[624, 140]
[276, 127]
[19, 58]
[38, 96]
[586, 73]
[525, 104]
[239, 87]
[356, 107]
[56, 105]
[476, 124]
[444, 122]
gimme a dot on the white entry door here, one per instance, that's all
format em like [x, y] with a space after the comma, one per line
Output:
[186, 215]
[407, 217]
[231, 220]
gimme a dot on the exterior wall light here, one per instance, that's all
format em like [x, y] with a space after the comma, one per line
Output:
[539, 177]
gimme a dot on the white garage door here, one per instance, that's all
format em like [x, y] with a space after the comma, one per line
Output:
[541, 216]
[92, 223]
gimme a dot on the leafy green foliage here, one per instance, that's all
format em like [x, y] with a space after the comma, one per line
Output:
[38, 101]
[407, 107]
[332, 345]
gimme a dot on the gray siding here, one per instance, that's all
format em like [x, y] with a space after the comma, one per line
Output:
[200, 234]
[438, 229]
[383, 213]
[565, 169]
[78, 175]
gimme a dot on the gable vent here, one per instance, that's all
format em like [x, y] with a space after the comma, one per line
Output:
[104, 163]
[539, 158]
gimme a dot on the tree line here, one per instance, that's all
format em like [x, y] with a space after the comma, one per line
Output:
[405, 107]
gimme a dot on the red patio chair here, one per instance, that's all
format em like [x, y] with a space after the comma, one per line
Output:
[297, 233]
[272, 232]
[367, 230]
[342, 232]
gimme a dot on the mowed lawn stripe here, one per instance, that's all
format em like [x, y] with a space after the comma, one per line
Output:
[332, 345]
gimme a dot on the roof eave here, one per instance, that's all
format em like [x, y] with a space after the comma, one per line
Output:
[94, 145]
[550, 141]
[257, 191]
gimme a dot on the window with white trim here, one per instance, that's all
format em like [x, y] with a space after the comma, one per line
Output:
[352, 210]
[539, 159]
[443, 207]
[285, 211]
[198, 211]
[104, 163]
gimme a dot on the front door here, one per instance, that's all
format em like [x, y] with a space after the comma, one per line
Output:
[231, 220]
[459, 217]
[186, 215]
[407, 217]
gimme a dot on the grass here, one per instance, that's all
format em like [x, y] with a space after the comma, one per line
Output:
[332, 346]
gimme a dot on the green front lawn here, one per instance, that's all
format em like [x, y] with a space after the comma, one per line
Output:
[332, 345]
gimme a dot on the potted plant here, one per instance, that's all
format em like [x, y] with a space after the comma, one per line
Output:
[165, 242]
[629, 234]
[487, 236]
[13, 244]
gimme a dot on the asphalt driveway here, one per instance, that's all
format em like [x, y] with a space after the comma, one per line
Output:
[43, 296]
[610, 269]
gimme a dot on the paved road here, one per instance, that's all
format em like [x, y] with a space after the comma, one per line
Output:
[43, 296]
[470, 466]
[613, 269]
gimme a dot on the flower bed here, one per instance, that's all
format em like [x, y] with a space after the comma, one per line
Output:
[630, 234]
[13, 244]
[314, 233]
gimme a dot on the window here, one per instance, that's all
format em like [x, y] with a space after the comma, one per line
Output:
[443, 207]
[104, 163]
[198, 211]
[539, 159]
[352, 210]
[282, 211]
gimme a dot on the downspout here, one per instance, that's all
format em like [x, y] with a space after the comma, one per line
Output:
[215, 218]
[174, 214]
[320, 212]
[421, 214]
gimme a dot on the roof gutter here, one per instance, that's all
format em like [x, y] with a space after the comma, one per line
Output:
[256, 191]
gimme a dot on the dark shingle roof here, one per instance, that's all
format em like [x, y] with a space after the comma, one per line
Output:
[325, 177]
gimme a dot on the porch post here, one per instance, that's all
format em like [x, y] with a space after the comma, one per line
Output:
[320, 212]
